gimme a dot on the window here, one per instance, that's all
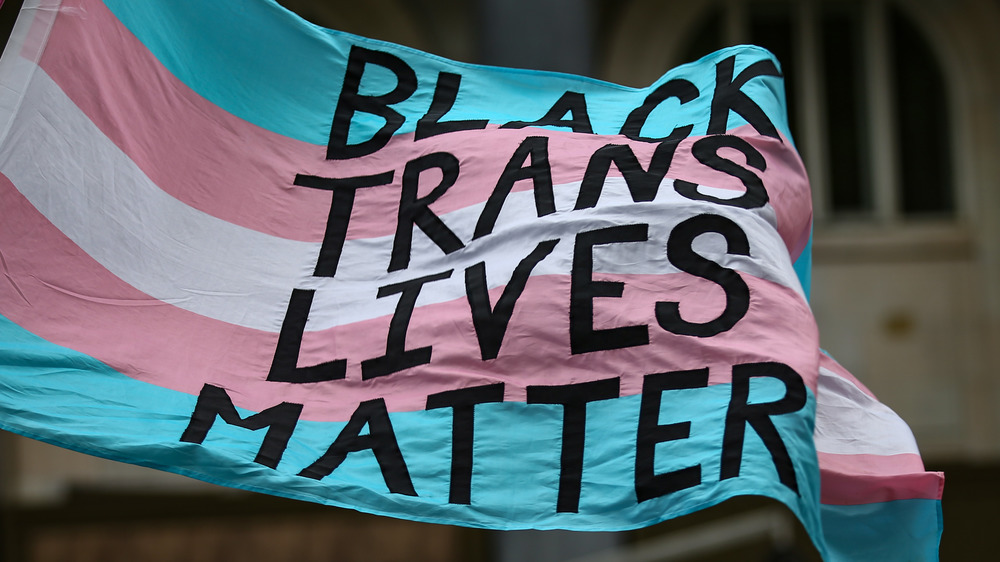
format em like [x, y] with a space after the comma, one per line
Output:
[867, 102]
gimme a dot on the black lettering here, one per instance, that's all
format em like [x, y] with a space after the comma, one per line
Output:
[415, 211]
[758, 415]
[280, 421]
[539, 172]
[681, 254]
[642, 184]
[463, 404]
[728, 96]
[574, 399]
[583, 337]
[573, 103]
[706, 150]
[445, 94]
[343, 190]
[491, 323]
[381, 439]
[397, 357]
[678, 88]
[351, 102]
[648, 484]
[284, 366]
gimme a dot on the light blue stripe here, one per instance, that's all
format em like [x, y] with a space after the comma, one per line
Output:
[896, 530]
[291, 74]
[66, 398]
[803, 266]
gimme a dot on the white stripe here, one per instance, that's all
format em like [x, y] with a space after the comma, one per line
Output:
[14, 75]
[850, 422]
[91, 191]
[352, 295]
[192, 260]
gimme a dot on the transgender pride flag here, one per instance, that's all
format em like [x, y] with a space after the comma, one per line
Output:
[245, 249]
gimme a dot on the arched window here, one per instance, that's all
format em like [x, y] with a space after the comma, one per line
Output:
[866, 99]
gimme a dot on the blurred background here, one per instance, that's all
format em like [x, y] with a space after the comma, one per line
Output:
[895, 108]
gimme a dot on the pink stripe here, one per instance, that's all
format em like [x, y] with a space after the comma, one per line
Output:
[872, 465]
[51, 293]
[198, 153]
[536, 347]
[243, 174]
[850, 489]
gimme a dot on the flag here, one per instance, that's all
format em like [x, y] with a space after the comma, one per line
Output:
[246, 249]
[877, 501]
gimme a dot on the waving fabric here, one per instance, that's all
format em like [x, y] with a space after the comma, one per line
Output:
[281, 258]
